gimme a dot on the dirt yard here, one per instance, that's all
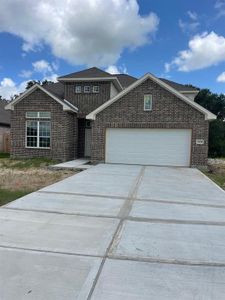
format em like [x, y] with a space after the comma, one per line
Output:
[20, 177]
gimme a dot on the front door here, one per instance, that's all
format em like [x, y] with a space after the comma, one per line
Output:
[87, 149]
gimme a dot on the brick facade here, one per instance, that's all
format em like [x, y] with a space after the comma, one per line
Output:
[167, 112]
[87, 102]
[64, 129]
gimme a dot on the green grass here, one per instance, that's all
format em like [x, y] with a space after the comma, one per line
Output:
[4, 155]
[25, 163]
[217, 178]
[8, 196]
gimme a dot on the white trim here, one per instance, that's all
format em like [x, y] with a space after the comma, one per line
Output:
[208, 114]
[65, 106]
[38, 135]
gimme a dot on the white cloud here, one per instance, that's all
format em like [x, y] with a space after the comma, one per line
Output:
[113, 69]
[25, 73]
[42, 66]
[191, 24]
[51, 77]
[205, 50]
[92, 32]
[193, 15]
[220, 7]
[221, 77]
[9, 88]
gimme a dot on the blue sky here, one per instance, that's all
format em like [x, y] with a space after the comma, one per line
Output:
[181, 40]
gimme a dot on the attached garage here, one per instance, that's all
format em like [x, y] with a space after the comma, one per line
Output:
[162, 147]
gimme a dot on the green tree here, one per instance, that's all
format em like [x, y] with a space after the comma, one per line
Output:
[216, 104]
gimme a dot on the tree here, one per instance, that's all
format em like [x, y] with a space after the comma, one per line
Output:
[216, 104]
[33, 82]
[213, 102]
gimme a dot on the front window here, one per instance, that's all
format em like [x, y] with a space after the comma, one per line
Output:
[38, 132]
[87, 89]
[147, 102]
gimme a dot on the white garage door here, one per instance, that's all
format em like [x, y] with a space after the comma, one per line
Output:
[162, 147]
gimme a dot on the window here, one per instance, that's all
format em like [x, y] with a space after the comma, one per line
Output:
[87, 89]
[38, 134]
[95, 89]
[78, 89]
[147, 102]
[40, 115]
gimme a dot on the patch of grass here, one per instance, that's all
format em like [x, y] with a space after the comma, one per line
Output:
[4, 155]
[8, 196]
[19, 177]
[26, 163]
[217, 178]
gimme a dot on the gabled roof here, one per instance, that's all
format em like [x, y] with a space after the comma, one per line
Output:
[4, 115]
[208, 114]
[180, 87]
[87, 73]
[125, 79]
[92, 74]
[55, 88]
[67, 106]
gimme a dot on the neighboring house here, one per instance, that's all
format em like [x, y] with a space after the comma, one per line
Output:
[4, 126]
[111, 118]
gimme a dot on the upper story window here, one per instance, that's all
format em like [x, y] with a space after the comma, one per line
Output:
[147, 102]
[78, 89]
[38, 115]
[87, 89]
[95, 89]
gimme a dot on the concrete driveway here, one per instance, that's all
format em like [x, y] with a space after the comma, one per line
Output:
[116, 232]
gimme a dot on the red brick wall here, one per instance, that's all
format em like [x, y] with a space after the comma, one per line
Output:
[64, 132]
[168, 111]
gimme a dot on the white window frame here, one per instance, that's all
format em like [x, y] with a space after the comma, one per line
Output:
[145, 100]
[89, 89]
[38, 115]
[78, 89]
[95, 89]
[38, 135]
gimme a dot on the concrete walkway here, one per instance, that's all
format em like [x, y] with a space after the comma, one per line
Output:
[75, 164]
[116, 232]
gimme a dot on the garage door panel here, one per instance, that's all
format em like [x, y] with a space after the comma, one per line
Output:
[169, 147]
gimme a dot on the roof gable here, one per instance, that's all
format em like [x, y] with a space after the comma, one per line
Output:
[87, 73]
[180, 87]
[208, 114]
[65, 104]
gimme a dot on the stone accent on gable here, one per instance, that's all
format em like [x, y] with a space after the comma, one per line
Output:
[87, 102]
[167, 112]
[64, 131]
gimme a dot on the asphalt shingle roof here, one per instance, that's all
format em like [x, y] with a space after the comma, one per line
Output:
[55, 88]
[125, 80]
[4, 114]
[178, 86]
[88, 73]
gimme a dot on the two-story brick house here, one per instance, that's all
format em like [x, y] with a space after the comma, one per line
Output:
[111, 118]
